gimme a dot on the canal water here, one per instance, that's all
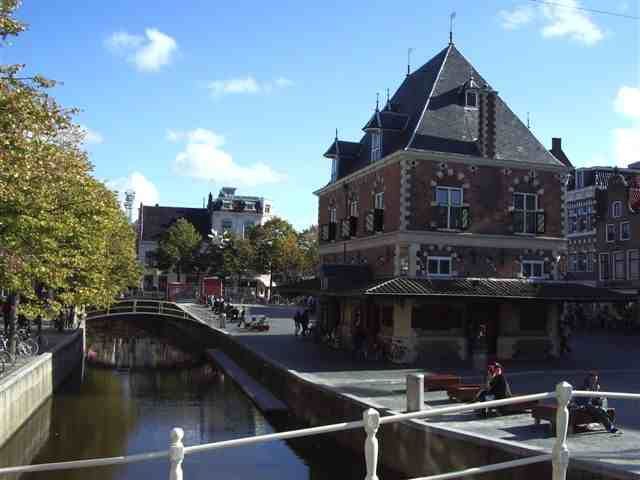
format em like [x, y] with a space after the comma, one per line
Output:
[110, 413]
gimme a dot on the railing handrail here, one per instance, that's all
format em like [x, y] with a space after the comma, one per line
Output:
[494, 467]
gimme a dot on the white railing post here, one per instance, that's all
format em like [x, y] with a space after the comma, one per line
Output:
[560, 454]
[371, 420]
[176, 454]
[135, 303]
[415, 392]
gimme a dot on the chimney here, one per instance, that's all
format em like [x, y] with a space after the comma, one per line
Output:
[556, 151]
[487, 122]
[556, 144]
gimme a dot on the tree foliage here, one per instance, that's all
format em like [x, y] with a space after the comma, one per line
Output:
[63, 238]
[179, 248]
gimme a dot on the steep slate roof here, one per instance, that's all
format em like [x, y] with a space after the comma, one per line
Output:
[156, 220]
[430, 99]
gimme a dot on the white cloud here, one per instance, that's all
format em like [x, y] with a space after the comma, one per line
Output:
[519, 16]
[565, 21]
[91, 136]
[627, 102]
[559, 20]
[247, 85]
[627, 145]
[148, 53]
[146, 192]
[203, 158]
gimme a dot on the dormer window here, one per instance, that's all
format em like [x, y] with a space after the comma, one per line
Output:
[471, 99]
[376, 146]
[227, 205]
[334, 169]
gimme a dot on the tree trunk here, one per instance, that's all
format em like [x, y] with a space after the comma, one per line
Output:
[13, 300]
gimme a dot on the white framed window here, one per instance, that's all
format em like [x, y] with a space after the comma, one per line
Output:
[353, 208]
[633, 265]
[439, 266]
[245, 229]
[616, 209]
[227, 204]
[603, 264]
[625, 230]
[591, 260]
[611, 232]
[333, 215]
[376, 146]
[533, 268]
[250, 205]
[471, 99]
[525, 206]
[572, 262]
[227, 225]
[450, 198]
[378, 201]
[619, 272]
[267, 209]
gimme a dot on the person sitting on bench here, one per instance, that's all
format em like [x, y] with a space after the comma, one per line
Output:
[594, 405]
[497, 387]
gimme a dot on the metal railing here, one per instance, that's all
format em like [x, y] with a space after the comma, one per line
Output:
[371, 422]
[128, 307]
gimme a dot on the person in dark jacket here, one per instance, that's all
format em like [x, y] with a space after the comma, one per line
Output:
[594, 405]
[498, 386]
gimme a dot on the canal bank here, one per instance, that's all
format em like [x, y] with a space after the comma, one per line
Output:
[414, 448]
[25, 390]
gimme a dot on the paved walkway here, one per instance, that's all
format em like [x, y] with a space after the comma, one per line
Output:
[383, 385]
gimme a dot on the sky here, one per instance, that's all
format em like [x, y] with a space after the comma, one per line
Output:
[181, 98]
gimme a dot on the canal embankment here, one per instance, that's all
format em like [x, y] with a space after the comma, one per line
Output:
[24, 390]
[331, 392]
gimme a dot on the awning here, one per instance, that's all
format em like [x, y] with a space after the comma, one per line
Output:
[467, 288]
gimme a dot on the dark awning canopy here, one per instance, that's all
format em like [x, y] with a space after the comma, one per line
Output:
[465, 288]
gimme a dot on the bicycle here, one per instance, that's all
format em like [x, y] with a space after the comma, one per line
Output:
[397, 352]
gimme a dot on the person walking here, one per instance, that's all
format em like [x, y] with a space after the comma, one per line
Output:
[296, 322]
[304, 321]
[595, 405]
[498, 387]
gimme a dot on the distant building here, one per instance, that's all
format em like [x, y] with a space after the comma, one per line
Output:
[603, 227]
[237, 213]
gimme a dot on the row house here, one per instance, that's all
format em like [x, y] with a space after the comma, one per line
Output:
[237, 213]
[444, 222]
[603, 227]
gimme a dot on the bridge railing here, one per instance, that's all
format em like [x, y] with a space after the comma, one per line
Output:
[137, 307]
[371, 422]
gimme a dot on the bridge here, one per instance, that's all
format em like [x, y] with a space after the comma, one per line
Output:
[140, 307]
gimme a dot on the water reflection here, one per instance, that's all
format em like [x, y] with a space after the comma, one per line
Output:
[112, 413]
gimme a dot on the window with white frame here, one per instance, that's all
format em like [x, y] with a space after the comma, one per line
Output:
[333, 215]
[439, 266]
[525, 206]
[603, 264]
[619, 272]
[246, 228]
[591, 260]
[633, 265]
[616, 209]
[334, 169]
[611, 232]
[227, 204]
[533, 268]
[625, 231]
[378, 201]
[353, 208]
[450, 199]
[227, 225]
[376, 146]
[267, 209]
[250, 205]
[572, 262]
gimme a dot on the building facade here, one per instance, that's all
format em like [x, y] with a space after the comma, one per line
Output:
[238, 213]
[603, 227]
[443, 215]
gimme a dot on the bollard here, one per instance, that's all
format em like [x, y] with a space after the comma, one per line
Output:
[176, 454]
[560, 453]
[371, 420]
[415, 392]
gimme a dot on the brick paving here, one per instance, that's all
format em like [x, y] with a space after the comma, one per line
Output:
[382, 385]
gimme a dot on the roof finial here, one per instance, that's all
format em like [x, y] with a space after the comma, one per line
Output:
[409, 50]
[451, 17]
[388, 99]
[528, 123]
[336, 134]
[377, 101]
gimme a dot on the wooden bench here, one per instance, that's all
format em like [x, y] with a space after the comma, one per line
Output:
[578, 417]
[440, 381]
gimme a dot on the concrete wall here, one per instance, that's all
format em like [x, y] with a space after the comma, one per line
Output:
[25, 390]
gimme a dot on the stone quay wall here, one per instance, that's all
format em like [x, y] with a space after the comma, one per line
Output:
[22, 392]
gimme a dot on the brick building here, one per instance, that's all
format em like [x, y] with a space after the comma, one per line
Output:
[603, 227]
[437, 222]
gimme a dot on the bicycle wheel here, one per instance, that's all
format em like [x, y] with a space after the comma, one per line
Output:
[22, 349]
[5, 359]
[33, 345]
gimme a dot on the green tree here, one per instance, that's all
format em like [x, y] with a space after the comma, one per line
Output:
[63, 238]
[179, 248]
[310, 257]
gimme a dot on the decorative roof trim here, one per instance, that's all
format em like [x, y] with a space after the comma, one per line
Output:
[426, 105]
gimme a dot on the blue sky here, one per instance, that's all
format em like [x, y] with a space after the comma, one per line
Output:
[181, 98]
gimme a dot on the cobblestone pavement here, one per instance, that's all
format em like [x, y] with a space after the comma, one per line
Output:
[383, 385]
